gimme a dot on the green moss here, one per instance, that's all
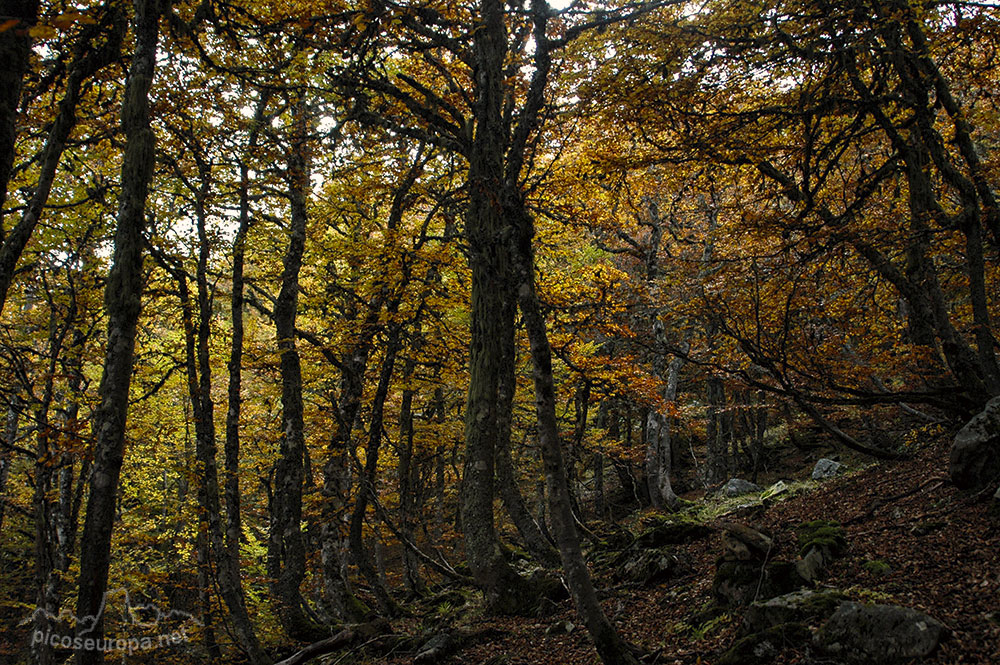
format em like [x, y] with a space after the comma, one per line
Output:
[877, 568]
[761, 648]
[826, 535]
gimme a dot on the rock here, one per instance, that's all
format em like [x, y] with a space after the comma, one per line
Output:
[740, 583]
[820, 542]
[560, 628]
[826, 468]
[761, 648]
[649, 567]
[743, 543]
[774, 490]
[738, 487]
[879, 633]
[826, 536]
[811, 566]
[436, 650]
[975, 452]
[672, 533]
[801, 606]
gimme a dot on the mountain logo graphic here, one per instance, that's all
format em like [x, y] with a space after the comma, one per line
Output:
[142, 615]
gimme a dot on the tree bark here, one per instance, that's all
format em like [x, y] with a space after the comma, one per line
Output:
[611, 648]
[122, 298]
[211, 532]
[492, 313]
[11, 427]
[286, 547]
[15, 52]
[87, 61]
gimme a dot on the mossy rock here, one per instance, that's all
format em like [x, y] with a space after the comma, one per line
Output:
[548, 585]
[739, 583]
[649, 567]
[761, 648]
[678, 532]
[877, 568]
[825, 535]
[803, 606]
[610, 536]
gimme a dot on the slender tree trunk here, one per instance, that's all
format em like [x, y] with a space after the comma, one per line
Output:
[15, 53]
[609, 644]
[659, 451]
[286, 548]
[410, 491]
[89, 59]
[11, 426]
[537, 544]
[234, 530]
[211, 532]
[717, 462]
[123, 295]
[366, 488]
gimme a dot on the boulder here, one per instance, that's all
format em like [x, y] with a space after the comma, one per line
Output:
[743, 543]
[437, 649]
[739, 487]
[826, 468]
[762, 648]
[740, 583]
[672, 533]
[878, 633]
[803, 606]
[649, 567]
[975, 452]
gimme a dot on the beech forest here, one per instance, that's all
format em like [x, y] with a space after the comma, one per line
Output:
[502, 332]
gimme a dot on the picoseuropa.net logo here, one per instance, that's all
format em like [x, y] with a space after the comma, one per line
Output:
[67, 631]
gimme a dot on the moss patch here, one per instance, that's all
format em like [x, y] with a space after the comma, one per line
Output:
[827, 536]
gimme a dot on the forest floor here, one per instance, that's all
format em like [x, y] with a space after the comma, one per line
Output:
[913, 540]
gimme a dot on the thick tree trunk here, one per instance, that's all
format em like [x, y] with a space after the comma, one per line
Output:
[492, 312]
[122, 298]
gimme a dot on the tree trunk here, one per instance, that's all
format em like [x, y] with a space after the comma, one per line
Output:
[286, 548]
[15, 53]
[407, 473]
[123, 295]
[492, 313]
[89, 59]
[199, 370]
[609, 644]
[535, 541]
[366, 487]
[6, 455]
[717, 462]
[234, 530]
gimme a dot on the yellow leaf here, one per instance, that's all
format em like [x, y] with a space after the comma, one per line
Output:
[8, 24]
[43, 32]
[69, 19]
